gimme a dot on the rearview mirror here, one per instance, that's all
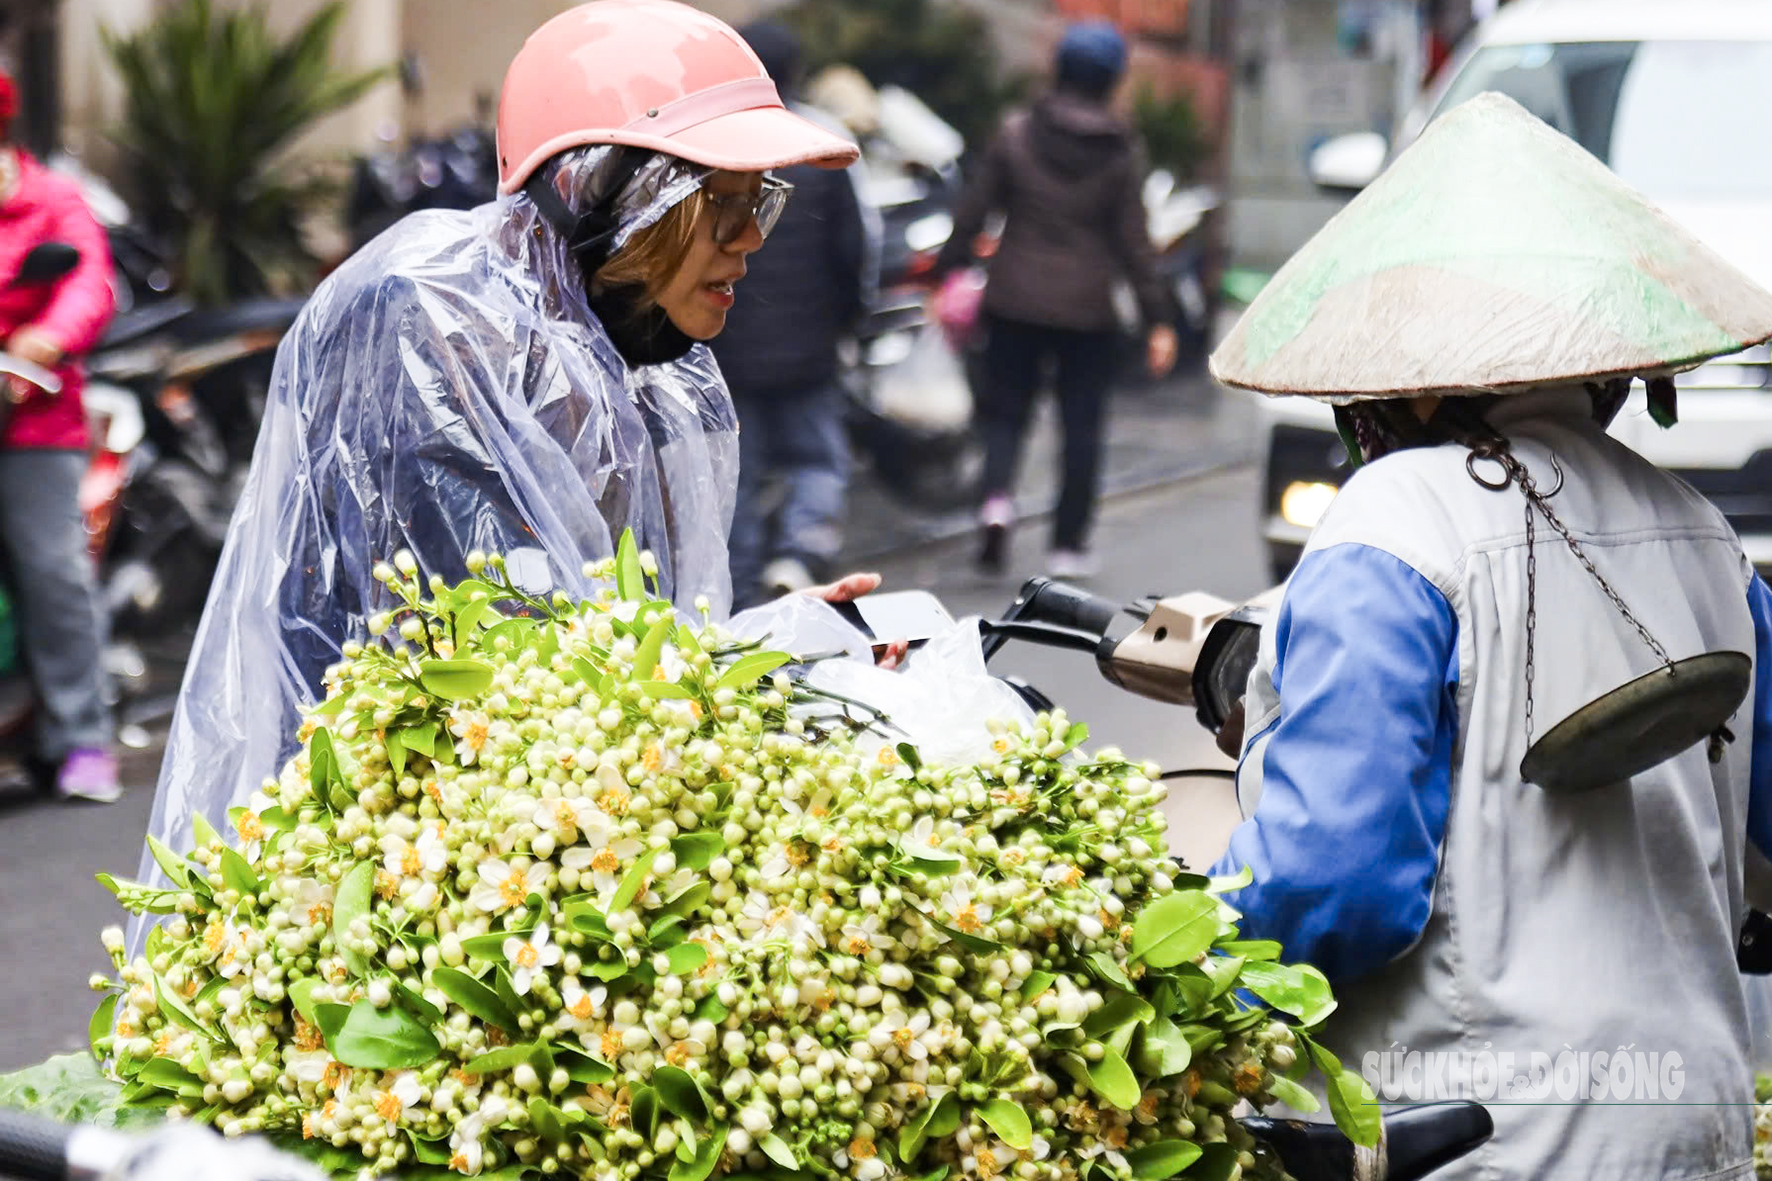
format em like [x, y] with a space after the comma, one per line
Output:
[45, 263]
[1348, 163]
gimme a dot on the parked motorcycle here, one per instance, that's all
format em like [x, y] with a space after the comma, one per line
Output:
[455, 170]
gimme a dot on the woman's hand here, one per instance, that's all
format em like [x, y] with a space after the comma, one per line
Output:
[846, 590]
[1161, 348]
[37, 347]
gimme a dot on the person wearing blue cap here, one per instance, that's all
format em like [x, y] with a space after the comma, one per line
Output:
[1067, 172]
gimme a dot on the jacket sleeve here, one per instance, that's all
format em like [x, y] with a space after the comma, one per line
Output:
[1759, 803]
[987, 190]
[1137, 255]
[81, 306]
[1356, 769]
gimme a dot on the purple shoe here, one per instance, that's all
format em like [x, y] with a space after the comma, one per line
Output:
[89, 774]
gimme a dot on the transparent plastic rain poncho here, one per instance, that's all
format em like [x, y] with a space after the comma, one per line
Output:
[449, 389]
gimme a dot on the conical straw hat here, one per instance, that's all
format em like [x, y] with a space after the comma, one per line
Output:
[1494, 255]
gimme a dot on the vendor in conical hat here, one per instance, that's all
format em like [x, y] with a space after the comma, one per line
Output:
[1477, 316]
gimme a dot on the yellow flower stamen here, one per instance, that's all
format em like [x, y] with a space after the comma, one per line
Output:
[388, 1105]
[514, 889]
[410, 864]
[249, 827]
[307, 1035]
[605, 861]
[862, 1149]
[966, 919]
[653, 759]
[459, 1163]
[527, 956]
[581, 1008]
[387, 886]
[610, 1045]
[614, 801]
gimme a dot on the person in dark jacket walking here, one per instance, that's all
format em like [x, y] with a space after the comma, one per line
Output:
[1068, 174]
[779, 356]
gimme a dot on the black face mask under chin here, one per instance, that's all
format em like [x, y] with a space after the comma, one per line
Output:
[641, 337]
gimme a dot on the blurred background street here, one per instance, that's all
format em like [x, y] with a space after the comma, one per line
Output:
[234, 155]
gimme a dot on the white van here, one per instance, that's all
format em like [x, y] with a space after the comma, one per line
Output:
[1676, 98]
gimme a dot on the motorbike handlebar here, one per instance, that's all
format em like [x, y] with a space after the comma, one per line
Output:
[1058, 605]
[33, 1149]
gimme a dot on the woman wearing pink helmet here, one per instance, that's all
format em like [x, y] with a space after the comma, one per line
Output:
[527, 377]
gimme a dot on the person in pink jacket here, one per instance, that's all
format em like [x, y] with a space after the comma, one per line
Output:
[42, 457]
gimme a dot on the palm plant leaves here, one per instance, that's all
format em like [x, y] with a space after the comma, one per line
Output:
[213, 103]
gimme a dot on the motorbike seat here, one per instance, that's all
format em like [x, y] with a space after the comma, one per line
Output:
[248, 315]
[143, 321]
[1417, 1140]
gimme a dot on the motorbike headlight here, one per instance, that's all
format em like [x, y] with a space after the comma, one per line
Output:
[1303, 504]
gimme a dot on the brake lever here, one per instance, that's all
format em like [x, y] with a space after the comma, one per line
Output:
[1049, 634]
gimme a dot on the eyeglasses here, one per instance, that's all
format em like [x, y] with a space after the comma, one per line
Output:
[733, 211]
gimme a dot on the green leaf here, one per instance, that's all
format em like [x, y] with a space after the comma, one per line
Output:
[350, 904]
[383, 1039]
[431, 1152]
[1114, 1081]
[680, 1094]
[1218, 1162]
[544, 1117]
[662, 690]
[301, 995]
[909, 754]
[686, 958]
[1224, 972]
[1164, 1159]
[475, 997]
[608, 970]
[971, 942]
[1351, 1101]
[748, 670]
[421, 738]
[203, 833]
[491, 946]
[519, 633]
[1225, 885]
[238, 874]
[168, 1075]
[630, 581]
[1008, 1120]
[176, 868]
[1163, 1051]
[939, 1119]
[507, 992]
[711, 1009]
[688, 901]
[1292, 1095]
[697, 850]
[468, 617]
[322, 765]
[1037, 983]
[581, 1067]
[777, 1150]
[629, 887]
[643, 1110]
[1252, 949]
[1075, 736]
[455, 680]
[418, 1006]
[1120, 1008]
[646, 655]
[1109, 970]
[701, 1164]
[99, 1027]
[1175, 928]
[396, 753]
[171, 1002]
[1297, 989]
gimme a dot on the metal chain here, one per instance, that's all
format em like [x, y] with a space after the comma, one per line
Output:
[1517, 474]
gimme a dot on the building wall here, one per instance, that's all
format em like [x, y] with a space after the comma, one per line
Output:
[1295, 84]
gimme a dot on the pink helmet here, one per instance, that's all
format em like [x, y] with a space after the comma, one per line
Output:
[651, 74]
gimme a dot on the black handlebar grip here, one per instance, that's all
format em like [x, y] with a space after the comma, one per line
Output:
[33, 1149]
[1068, 606]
